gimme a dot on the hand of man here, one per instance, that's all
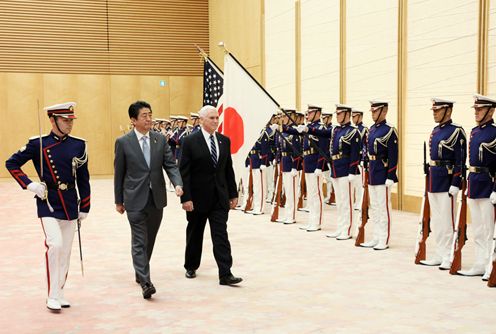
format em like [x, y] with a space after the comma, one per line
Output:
[179, 191]
[262, 167]
[318, 172]
[301, 128]
[82, 215]
[352, 177]
[188, 206]
[120, 208]
[389, 183]
[294, 172]
[492, 198]
[453, 191]
[37, 188]
[274, 127]
[232, 203]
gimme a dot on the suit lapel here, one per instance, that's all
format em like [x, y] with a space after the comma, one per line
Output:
[137, 147]
[153, 146]
[222, 149]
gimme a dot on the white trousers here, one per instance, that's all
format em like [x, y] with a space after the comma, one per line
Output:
[246, 185]
[342, 190]
[443, 213]
[59, 235]
[314, 199]
[327, 176]
[482, 214]
[380, 212]
[258, 189]
[357, 190]
[289, 185]
[269, 180]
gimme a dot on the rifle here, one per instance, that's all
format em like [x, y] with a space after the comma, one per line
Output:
[460, 234]
[303, 188]
[365, 204]
[425, 217]
[249, 202]
[278, 194]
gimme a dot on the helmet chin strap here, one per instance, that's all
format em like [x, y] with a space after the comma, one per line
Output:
[379, 117]
[55, 118]
[444, 115]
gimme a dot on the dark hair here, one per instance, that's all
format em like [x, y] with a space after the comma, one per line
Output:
[135, 107]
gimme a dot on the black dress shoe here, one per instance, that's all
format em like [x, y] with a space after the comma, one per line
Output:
[190, 274]
[230, 280]
[148, 290]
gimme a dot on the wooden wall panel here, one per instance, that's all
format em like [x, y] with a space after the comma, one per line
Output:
[238, 24]
[185, 95]
[103, 36]
[102, 104]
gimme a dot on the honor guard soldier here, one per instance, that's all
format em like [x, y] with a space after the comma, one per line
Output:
[178, 135]
[447, 152]
[481, 187]
[313, 173]
[344, 150]
[357, 184]
[289, 149]
[298, 161]
[195, 122]
[327, 121]
[171, 134]
[269, 171]
[258, 162]
[382, 148]
[62, 167]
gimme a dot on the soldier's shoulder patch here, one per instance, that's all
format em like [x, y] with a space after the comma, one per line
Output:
[456, 125]
[38, 137]
[78, 138]
[390, 125]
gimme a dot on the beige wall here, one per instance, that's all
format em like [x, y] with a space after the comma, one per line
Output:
[441, 46]
[239, 24]
[102, 103]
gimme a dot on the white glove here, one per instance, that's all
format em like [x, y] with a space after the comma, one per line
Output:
[492, 198]
[274, 127]
[301, 128]
[453, 191]
[294, 172]
[82, 215]
[318, 172]
[389, 183]
[262, 167]
[37, 188]
[352, 177]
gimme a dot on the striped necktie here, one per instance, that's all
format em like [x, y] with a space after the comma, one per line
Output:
[213, 150]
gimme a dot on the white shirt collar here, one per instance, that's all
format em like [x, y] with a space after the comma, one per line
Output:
[207, 135]
[140, 135]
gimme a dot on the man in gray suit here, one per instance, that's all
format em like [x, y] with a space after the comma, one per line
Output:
[139, 186]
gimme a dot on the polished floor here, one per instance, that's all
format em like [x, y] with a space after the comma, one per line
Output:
[294, 281]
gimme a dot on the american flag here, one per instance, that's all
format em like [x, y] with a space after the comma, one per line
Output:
[213, 83]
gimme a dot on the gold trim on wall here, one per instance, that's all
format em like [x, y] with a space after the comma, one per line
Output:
[402, 94]
[298, 54]
[482, 47]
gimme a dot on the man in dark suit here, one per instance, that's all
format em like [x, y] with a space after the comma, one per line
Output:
[209, 193]
[139, 186]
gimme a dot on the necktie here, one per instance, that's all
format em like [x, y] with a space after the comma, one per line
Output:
[213, 150]
[146, 150]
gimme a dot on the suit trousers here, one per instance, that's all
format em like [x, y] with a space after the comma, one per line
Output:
[59, 235]
[443, 208]
[217, 217]
[144, 228]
